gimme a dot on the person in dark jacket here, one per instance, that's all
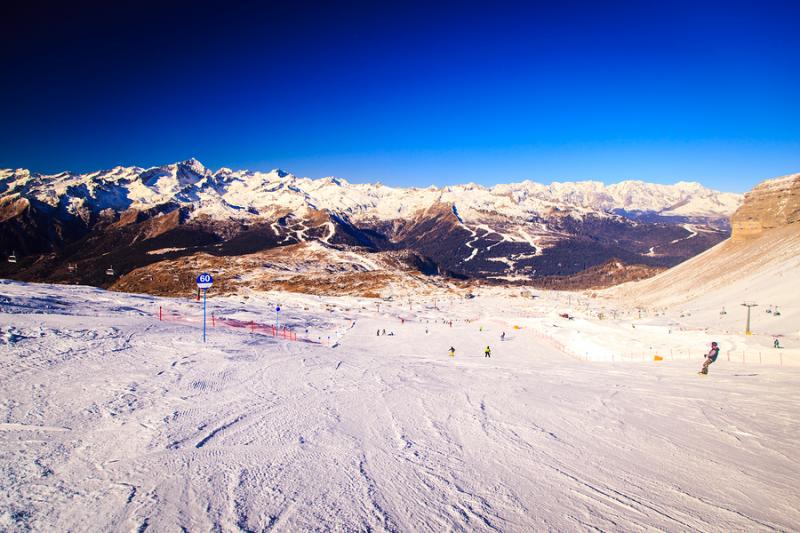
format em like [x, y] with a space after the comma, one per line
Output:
[711, 356]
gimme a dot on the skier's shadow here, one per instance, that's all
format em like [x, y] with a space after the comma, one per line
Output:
[744, 375]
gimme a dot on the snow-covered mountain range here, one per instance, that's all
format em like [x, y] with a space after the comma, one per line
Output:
[132, 217]
[226, 194]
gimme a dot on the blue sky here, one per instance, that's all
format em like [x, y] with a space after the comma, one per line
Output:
[410, 93]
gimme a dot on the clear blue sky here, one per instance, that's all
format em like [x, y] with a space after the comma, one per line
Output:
[407, 93]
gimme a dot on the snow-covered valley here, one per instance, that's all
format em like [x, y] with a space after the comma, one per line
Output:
[115, 420]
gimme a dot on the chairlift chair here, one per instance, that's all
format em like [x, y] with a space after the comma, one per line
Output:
[110, 271]
[12, 258]
[72, 267]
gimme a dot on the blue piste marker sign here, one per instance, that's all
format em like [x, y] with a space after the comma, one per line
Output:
[204, 281]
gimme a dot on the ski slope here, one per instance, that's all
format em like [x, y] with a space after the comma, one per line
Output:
[113, 420]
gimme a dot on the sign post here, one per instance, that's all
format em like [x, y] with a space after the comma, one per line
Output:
[204, 281]
[277, 317]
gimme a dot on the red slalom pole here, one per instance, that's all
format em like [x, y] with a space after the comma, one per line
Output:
[160, 316]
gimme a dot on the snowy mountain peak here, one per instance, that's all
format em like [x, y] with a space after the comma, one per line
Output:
[193, 164]
[230, 193]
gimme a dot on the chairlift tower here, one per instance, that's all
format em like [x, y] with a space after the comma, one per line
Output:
[749, 305]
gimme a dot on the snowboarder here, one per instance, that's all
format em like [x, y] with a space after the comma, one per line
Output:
[452, 352]
[503, 336]
[487, 352]
[711, 356]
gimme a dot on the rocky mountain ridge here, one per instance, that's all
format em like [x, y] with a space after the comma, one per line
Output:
[94, 228]
[241, 194]
[771, 204]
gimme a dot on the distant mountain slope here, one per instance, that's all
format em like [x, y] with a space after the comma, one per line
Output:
[73, 227]
[760, 263]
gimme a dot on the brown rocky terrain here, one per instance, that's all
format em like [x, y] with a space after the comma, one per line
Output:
[304, 267]
[771, 204]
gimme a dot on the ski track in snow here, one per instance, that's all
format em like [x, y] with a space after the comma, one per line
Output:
[301, 233]
[533, 242]
[488, 230]
[115, 421]
[276, 229]
[331, 233]
[469, 242]
[690, 229]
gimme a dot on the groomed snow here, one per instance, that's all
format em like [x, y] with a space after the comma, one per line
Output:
[114, 420]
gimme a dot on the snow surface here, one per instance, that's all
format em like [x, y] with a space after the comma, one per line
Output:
[710, 288]
[114, 420]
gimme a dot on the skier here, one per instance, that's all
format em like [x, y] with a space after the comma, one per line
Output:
[487, 352]
[503, 336]
[711, 356]
[777, 343]
[378, 333]
[452, 352]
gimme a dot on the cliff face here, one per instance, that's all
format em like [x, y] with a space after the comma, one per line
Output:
[771, 204]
